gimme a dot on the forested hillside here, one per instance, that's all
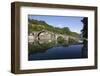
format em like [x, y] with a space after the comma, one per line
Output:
[36, 25]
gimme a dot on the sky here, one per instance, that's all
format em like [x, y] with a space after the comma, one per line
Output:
[74, 23]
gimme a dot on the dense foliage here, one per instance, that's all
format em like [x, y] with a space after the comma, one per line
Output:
[85, 27]
[85, 31]
[36, 25]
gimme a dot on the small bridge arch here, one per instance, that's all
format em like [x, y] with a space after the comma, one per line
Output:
[65, 37]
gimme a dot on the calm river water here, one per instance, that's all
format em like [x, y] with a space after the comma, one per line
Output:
[49, 51]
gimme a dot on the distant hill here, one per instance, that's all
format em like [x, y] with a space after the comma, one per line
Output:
[36, 25]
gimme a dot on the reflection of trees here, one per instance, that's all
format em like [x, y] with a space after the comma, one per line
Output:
[43, 46]
[36, 47]
[84, 53]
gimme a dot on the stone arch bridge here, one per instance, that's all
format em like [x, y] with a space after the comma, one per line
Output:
[46, 35]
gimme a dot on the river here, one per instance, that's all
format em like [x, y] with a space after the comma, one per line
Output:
[50, 51]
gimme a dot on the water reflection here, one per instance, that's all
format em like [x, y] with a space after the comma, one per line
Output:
[84, 51]
[46, 49]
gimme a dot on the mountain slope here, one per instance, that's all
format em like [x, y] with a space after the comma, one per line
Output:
[36, 25]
